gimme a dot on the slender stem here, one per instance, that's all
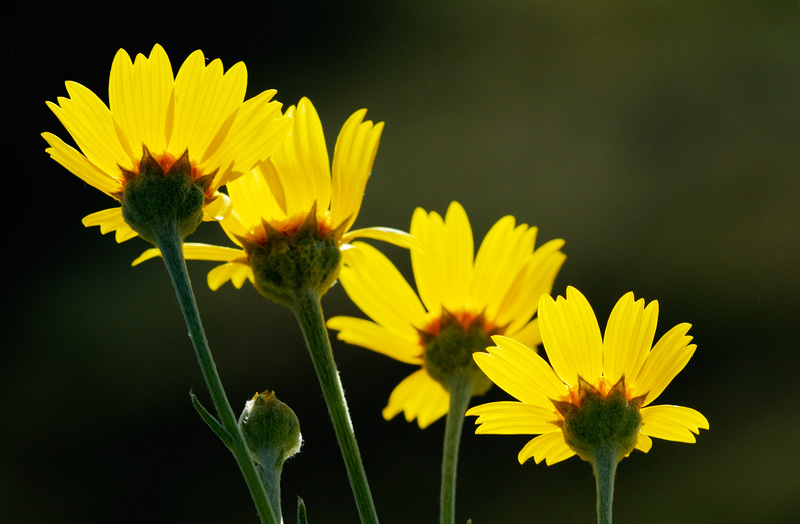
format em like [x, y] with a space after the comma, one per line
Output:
[271, 476]
[170, 244]
[460, 392]
[307, 309]
[604, 464]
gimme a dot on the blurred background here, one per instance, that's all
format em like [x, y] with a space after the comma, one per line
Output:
[659, 139]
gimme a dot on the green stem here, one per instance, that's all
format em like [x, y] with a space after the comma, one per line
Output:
[460, 392]
[604, 464]
[271, 476]
[306, 307]
[171, 246]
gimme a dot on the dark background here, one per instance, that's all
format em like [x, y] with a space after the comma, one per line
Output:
[659, 139]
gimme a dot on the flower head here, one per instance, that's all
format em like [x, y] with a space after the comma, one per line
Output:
[292, 214]
[463, 299]
[597, 390]
[195, 126]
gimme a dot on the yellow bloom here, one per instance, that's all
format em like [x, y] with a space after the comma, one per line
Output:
[200, 114]
[296, 189]
[585, 366]
[466, 296]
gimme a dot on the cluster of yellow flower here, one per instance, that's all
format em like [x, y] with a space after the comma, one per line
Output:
[474, 319]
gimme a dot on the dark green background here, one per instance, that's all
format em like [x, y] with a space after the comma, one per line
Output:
[659, 139]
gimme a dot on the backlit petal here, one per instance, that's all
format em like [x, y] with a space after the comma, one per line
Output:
[571, 337]
[377, 338]
[512, 418]
[549, 447]
[672, 423]
[302, 162]
[353, 157]
[419, 397]
[628, 337]
[395, 306]
[669, 356]
[521, 373]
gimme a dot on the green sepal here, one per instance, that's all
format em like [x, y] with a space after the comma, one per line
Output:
[215, 425]
[155, 201]
[601, 424]
[448, 353]
[301, 511]
[286, 263]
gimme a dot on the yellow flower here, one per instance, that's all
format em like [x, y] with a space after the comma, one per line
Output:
[297, 192]
[155, 119]
[586, 368]
[462, 300]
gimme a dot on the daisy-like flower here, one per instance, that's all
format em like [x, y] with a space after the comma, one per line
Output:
[594, 397]
[463, 299]
[292, 215]
[194, 129]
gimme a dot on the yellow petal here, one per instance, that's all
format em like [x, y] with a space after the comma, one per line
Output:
[443, 271]
[195, 251]
[571, 337]
[205, 100]
[500, 259]
[375, 285]
[110, 220]
[253, 200]
[530, 334]
[385, 234]
[302, 162]
[353, 157]
[669, 356]
[535, 280]
[643, 443]
[89, 122]
[512, 418]
[377, 338]
[672, 423]
[521, 373]
[236, 272]
[628, 337]
[419, 397]
[258, 129]
[549, 447]
[80, 166]
[140, 98]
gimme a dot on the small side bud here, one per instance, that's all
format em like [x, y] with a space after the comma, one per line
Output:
[271, 430]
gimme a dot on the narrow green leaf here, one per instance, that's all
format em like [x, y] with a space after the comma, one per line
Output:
[215, 425]
[301, 511]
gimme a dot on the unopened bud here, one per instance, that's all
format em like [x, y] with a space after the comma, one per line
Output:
[271, 430]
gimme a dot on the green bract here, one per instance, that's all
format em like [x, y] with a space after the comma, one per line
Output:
[285, 264]
[601, 423]
[449, 353]
[153, 199]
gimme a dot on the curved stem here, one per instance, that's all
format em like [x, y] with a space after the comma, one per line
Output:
[604, 464]
[307, 309]
[171, 246]
[460, 392]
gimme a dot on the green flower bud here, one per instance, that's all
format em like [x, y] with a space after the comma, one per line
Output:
[601, 424]
[449, 353]
[285, 263]
[154, 200]
[271, 430]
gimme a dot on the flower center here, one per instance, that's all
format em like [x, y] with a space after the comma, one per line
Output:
[156, 200]
[449, 343]
[602, 419]
[297, 257]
